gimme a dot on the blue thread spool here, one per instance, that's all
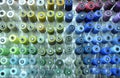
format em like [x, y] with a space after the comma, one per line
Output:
[97, 15]
[108, 27]
[116, 41]
[32, 61]
[87, 60]
[107, 38]
[96, 29]
[14, 60]
[96, 61]
[87, 49]
[79, 50]
[89, 17]
[79, 41]
[94, 70]
[88, 26]
[105, 71]
[105, 59]
[5, 73]
[80, 17]
[23, 74]
[33, 71]
[68, 5]
[79, 30]
[97, 39]
[105, 51]
[69, 17]
[116, 29]
[115, 60]
[95, 49]
[115, 71]
[115, 49]
[70, 29]
[23, 61]
[88, 39]
[14, 71]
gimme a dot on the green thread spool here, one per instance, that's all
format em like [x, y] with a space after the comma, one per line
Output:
[42, 51]
[59, 39]
[31, 27]
[4, 61]
[31, 16]
[4, 27]
[23, 40]
[24, 16]
[41, 28]
[59, 16]
[42, 16]
[50, 51]
[14, 50]
[12, 26]
[32, 50]
[13, 38]
[50, 4]
[41, 40]
[42, 62]
[23, 27]
[33, 39]
[50, 30]
[51, 40]
[23, 50]
[4, 51]
[51, 16]
[67, 71]
[59, 50]
[59, 63]
[60, 28]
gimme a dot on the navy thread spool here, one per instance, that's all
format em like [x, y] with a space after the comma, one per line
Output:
[79, 30]
[109, 4]
[105, 59]
[96, 29]
[94, 70]
[88, 38]
[98, 5]
[87, 49]
[69, 17]
[14, 60]
[115, 49]
[116, 18]
[106, 16]
[116, 29]
[70, 29]
[95, 49]
[116, 41]
[32, 61]
[116, 8]
[108, 27]
[88, 26]
[105, 71]
[79, 50]
[87, 60]
[80, 7]
[107, 38]
[68, 5]
[80, 17]
[97, 15]
[115, 71]
[96, 61]
[115, 60]
[79, 40]
[105, 50]
[97, 39]
[89, 17]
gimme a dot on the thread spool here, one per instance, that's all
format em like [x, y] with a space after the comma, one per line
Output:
[3, 16]
[23, 50]
[50, 16]
[115, 49]
[23, 16]
[12, 16]
[87, 60]
[32, 50]
[68, 5]
[116, 29]
[79, 50]
[32, 4]
[50, 4]
[96, 29]
[5, 73]
[79, 40]
[23, 27]
[116, 18]
[3, 5]
[31, 27]
[60, 28]
[97, 15]
[80, 7]
[50, 30]
[95, 49]
[41, 28]
[60, 4]
[88, 39]
[40, 5]
[23, 4]
[23, 74]
[23, 61]
[68, 50]
[80, 17]
[98, 5]
[109, 4]
[106, 72]
[32, 61]
[59, 62]
[105, 51]
[105, 59]
[89, 17]
[31, 15]
[59, 50]
[106, 16]
[87, 49]
[42, 62]
[69, 17]
[79, 30]
[41, 16]
[23, 40]
[59, 39]
[88, 26]
[3, 40]
[33, 39]
[12, 4]
[50, 52]
[14, 71]
[115, 60]
[59, 16]
[116, 7]
[4, 61]
[12, 26]
[52, 40]
[116, 41]
[42, 51]
[95, 70]
[14, 50]
[67, 71]
[4, 51]
[41, 40]
[70, 29]
[106, 39]
[14, 60]
[96, 61]
[68, 39]
[89, 6]
[97, 39]
[4, 27]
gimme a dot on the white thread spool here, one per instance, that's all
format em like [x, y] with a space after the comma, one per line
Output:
[12, 16]
[32, 4]
[3, 16]
[13, 4]
[40, 5]
[23, 4]
[3, 5]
